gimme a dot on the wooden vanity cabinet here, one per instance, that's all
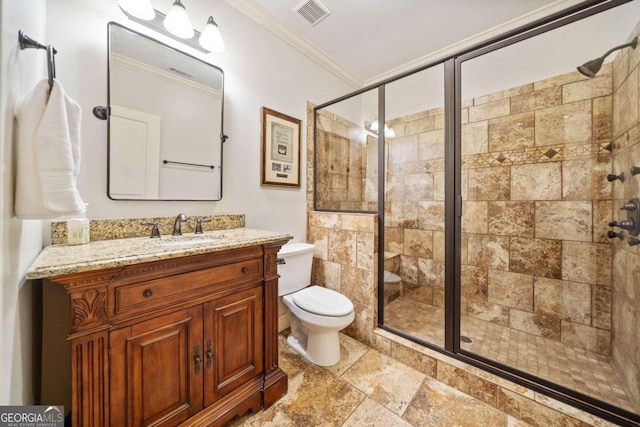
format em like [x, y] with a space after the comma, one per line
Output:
[233, 342]
[152, 375]
[187, 341]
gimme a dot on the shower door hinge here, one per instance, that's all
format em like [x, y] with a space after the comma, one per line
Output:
[459, 205]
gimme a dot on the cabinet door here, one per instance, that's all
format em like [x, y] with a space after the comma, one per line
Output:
[156, 370]
[233, 339]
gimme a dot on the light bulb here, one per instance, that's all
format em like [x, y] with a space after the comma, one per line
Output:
[177, 21]
[389, 132]
[211, 39]
[141, 9]
[374, 126]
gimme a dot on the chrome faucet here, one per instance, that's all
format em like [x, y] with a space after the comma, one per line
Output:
[176, 225]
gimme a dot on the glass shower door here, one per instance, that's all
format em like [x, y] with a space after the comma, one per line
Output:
[539, 280]
[414, 205]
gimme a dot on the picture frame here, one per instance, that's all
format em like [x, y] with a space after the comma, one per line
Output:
[280, 151]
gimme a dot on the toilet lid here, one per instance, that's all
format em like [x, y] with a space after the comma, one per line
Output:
[322, 301]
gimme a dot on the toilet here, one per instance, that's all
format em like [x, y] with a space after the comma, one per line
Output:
[317, 313]
[392, 286]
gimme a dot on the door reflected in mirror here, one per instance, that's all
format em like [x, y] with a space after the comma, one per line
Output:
[165, 121]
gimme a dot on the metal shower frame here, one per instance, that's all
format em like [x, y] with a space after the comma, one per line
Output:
[453, 207]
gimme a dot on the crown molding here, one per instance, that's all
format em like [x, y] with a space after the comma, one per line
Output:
[512, 24]
[254, 11]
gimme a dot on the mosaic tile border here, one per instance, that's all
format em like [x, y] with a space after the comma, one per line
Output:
[542, 154]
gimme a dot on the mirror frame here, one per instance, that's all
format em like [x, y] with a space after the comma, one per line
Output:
[223, 137]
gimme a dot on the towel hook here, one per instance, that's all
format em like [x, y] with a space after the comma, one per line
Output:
[27, 42]
[51, 64]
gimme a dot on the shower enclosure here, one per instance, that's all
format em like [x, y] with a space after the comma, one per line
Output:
[506, 185]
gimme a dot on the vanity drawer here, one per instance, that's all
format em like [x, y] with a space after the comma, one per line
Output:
[174, 289]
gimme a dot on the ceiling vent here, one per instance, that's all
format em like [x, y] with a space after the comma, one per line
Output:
[313, 11]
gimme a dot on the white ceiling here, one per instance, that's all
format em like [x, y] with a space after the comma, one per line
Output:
[358, 31]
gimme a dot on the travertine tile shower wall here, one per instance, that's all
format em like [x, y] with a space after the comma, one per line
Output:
[414, 204]
[341, 160]
[626, 259]
[535, 252]
[535, 255]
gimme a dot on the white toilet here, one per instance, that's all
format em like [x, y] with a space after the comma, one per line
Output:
[317, 313]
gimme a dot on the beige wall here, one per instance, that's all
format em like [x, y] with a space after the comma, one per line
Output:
[626, 259]
[250, 84]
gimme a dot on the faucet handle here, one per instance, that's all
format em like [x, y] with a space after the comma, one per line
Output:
[155, 232]
[199, 222]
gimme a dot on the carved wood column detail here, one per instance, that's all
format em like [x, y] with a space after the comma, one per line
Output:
[275, 379]
[89, 380]
[271, 264]
[89, 309]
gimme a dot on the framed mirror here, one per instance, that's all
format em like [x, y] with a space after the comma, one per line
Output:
[165, 121]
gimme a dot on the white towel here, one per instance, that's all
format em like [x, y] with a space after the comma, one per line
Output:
[48, 154]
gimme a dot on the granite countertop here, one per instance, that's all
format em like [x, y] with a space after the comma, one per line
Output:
[58, 260]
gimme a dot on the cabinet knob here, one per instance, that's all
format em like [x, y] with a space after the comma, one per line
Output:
[245, 270]
[147, 293]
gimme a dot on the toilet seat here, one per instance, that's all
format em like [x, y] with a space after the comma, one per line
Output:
[322, 301]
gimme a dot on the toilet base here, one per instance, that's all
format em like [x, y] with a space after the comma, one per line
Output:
[316, 337]
[323, 349]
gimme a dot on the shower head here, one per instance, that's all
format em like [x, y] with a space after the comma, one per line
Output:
[591, 68]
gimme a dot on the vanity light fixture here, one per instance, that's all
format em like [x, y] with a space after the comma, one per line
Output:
[211, 39]
[176, 24]
[373, 126]
[177, 21]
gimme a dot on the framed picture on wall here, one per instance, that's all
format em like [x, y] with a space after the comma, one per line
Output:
[280, 154]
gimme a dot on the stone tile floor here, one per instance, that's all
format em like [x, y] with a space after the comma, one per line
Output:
[587, 372]
[368, 388]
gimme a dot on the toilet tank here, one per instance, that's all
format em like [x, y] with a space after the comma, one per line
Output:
[294, 267]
